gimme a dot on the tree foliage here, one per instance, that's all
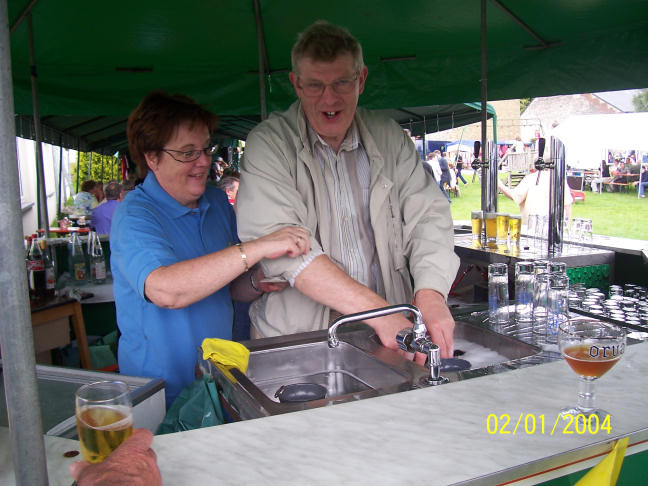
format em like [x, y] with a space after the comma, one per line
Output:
[524, 102]
[102, 168]
[640, 100]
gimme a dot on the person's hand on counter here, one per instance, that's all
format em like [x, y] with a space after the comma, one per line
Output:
[438, 320]
[133, 463]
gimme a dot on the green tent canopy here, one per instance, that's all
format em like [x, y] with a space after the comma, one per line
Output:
[96, 60]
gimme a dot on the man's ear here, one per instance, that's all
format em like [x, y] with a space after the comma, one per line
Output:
[361, 80]
[293, 79]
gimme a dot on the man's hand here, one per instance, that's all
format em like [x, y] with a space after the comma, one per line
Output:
[133, 463]
[268, 286]
[438, 320]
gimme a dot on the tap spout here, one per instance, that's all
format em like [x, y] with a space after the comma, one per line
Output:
[418, 328]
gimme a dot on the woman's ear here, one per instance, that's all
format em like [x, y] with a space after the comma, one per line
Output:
[152, 160]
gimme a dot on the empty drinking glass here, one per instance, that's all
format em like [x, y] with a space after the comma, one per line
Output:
[557, 267]
[577, 230]
[524, 285]
[587, 230]
[557, 305]
[540, 295]
[498, 297]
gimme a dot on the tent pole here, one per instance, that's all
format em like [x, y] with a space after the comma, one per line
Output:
[262, 65]
[488, 193]
[60, 171]
[16, 335]
[43, 218]
[78, 165]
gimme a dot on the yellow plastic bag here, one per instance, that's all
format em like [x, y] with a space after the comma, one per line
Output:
[226, 355]
[606, 472]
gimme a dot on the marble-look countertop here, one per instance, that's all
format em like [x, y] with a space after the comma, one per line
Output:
[434, 435]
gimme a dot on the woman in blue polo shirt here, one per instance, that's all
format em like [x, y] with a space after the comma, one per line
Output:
[176, 258]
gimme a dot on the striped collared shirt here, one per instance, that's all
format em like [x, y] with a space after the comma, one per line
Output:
[347, 175]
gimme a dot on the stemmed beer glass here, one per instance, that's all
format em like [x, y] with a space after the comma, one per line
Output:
[591, 348]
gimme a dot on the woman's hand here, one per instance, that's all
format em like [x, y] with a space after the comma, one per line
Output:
[290, 240]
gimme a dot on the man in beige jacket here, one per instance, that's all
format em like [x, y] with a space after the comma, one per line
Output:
[380, 229]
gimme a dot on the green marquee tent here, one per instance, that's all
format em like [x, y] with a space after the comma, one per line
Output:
[96, 60]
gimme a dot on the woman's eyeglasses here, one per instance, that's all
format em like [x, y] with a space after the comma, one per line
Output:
[190, 155]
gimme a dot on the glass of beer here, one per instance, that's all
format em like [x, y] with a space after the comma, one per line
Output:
[476, 219]
[490, 221]
[591, 348]
[104, 417]
[515, 228]
[502, 223]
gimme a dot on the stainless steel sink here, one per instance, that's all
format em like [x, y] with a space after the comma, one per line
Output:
[342, 370]
[360, 367]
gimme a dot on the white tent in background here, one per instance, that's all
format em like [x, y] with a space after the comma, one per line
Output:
[588, 137]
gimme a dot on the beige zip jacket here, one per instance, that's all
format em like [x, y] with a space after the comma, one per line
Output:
[282, 184]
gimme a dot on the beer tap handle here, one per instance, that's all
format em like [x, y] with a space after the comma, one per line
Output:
[476, 164]
[540, 163]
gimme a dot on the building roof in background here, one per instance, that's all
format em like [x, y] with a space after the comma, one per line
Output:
[620, 99]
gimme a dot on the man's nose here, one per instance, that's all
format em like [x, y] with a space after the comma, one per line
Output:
[329, 94]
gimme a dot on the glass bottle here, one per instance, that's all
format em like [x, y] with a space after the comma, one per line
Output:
[50, 274]
[96, 258]
[36, 267]
[77, 260]
[28, 240]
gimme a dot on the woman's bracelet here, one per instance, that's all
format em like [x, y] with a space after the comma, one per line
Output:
[253, 284]
[243, 256]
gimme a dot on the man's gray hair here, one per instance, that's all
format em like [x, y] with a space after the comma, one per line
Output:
[323, 41]
[227, 182]
[112, 190]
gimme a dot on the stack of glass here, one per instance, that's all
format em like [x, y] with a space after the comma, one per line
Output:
[627, 304]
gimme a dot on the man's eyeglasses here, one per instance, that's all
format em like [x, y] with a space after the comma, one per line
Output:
[190, 155]
[339, 86]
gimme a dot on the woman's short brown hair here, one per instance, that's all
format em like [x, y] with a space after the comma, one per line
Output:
[89, 185]
[153, 122]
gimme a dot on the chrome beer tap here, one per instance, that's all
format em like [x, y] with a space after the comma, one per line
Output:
[412, 339]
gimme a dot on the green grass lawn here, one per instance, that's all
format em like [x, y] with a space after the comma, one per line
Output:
[612, 214]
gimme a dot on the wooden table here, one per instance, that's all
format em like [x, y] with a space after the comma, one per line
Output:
[60, 307]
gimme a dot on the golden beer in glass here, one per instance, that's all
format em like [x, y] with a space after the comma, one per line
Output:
[515, 228]
[490, 221]
[104, 416]
[502, 222]
[476, 219]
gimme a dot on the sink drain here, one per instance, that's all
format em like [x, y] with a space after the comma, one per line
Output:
[300, 392]
[454, 364]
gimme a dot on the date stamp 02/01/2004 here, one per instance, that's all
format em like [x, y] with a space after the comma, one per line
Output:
[533, 424]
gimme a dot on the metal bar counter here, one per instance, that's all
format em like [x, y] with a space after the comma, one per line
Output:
[451, 434]
[572, 255]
